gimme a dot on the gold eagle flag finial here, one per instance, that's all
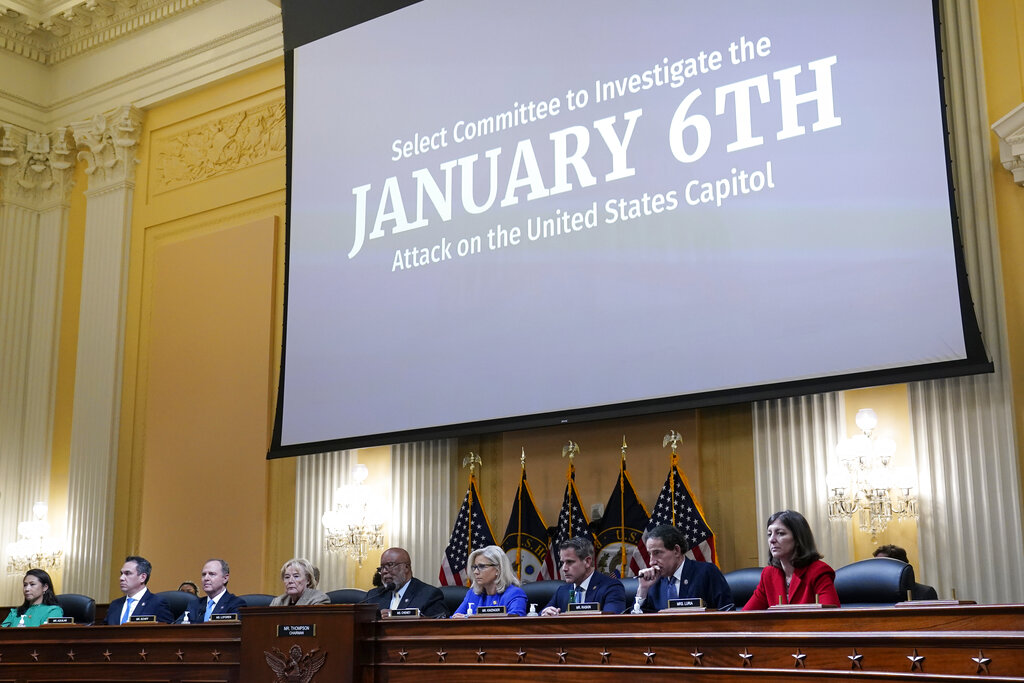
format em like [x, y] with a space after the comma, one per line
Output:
[472, 461]
[673, 437]
[571, 449]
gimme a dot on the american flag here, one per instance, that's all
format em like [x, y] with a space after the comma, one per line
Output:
[677, 506]
[572, 520]
[472, 530]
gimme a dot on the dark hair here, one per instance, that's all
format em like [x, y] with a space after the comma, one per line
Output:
[48, 597]
[669, 535]
[195, 588]
[893, 551]
[804, 549]
[224, 568]
[376, 580]
[142, 566]
[581, 546]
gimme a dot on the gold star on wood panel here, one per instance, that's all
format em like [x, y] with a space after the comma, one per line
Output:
[402, 654]
[855, 660]
[800, 658]
[982, 661]
[916, 661]
[107, 654]
[698, 657]
[143, 654]
[480, 654]
[561, 655]
[442, 655]
[216, 655]
[746, 656]
[521, 654]
[605, 655]
[34, 655]
[180, 654]
[650, 654]
[71, 655]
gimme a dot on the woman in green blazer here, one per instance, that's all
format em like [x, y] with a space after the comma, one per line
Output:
[40, 602]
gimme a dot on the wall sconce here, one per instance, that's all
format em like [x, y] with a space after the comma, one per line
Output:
[866, 486]
[35, 549]
[355, 525]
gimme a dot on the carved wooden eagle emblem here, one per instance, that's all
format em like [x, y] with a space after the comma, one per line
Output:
[295, 667]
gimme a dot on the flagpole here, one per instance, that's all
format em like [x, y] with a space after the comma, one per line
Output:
[519, 523]
[571, 450]
[622, 510]
[674, 438]
[472, 460]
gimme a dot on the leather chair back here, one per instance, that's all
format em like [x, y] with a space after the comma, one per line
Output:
[453, 596]
[177, 601]
[346, 596]
[81, 607]
[743, 583]
[257, 599]
[874, 582]
[540, 593]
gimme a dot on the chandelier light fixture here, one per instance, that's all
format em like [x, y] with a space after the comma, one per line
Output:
[866, 485]
[355, 525]
[34, 549]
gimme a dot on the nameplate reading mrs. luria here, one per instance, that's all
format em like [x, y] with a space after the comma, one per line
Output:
[142, 619]
[685, 603]
[584, 607]
[286, 630]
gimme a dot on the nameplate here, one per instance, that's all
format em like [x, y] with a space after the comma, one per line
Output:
[686, 603]
[798, 608]
[226, 616]
[491, 611]
[584, 608]
[60, 620]
[295, 630]
[142, 619]
[402, 613]
[934, 603]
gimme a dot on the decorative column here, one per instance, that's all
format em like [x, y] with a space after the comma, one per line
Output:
[35, 186]
[108, 145]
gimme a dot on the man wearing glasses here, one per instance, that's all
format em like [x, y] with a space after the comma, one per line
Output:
[399, 590]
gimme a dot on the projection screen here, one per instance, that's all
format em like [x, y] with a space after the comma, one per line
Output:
[509, 214]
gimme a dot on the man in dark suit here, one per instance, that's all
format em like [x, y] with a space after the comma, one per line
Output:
[582, 584]
[137, 600]
[218, 600]
[400, 590]
[672, 575]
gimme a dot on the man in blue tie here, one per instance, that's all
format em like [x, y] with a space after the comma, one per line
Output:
[582, 583]
[673, 575]
[137, 600]
[214, 579]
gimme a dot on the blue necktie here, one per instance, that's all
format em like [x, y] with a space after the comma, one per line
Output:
[210, 604]
[127, 609]
[673, 592]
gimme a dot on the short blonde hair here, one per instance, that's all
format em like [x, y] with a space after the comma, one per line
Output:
[497, 556]
[305, 565]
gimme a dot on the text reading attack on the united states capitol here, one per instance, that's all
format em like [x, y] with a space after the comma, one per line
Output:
[740, 115]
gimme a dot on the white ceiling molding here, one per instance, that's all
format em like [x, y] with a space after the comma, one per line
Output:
[1010, 130]
[183, 51]
[50, 32]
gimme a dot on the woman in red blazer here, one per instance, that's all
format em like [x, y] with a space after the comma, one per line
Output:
[795, 574]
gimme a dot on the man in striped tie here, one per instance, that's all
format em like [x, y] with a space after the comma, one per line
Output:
[673, 575]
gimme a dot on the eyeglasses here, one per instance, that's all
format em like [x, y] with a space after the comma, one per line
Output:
[390, 566]
[481, 567]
